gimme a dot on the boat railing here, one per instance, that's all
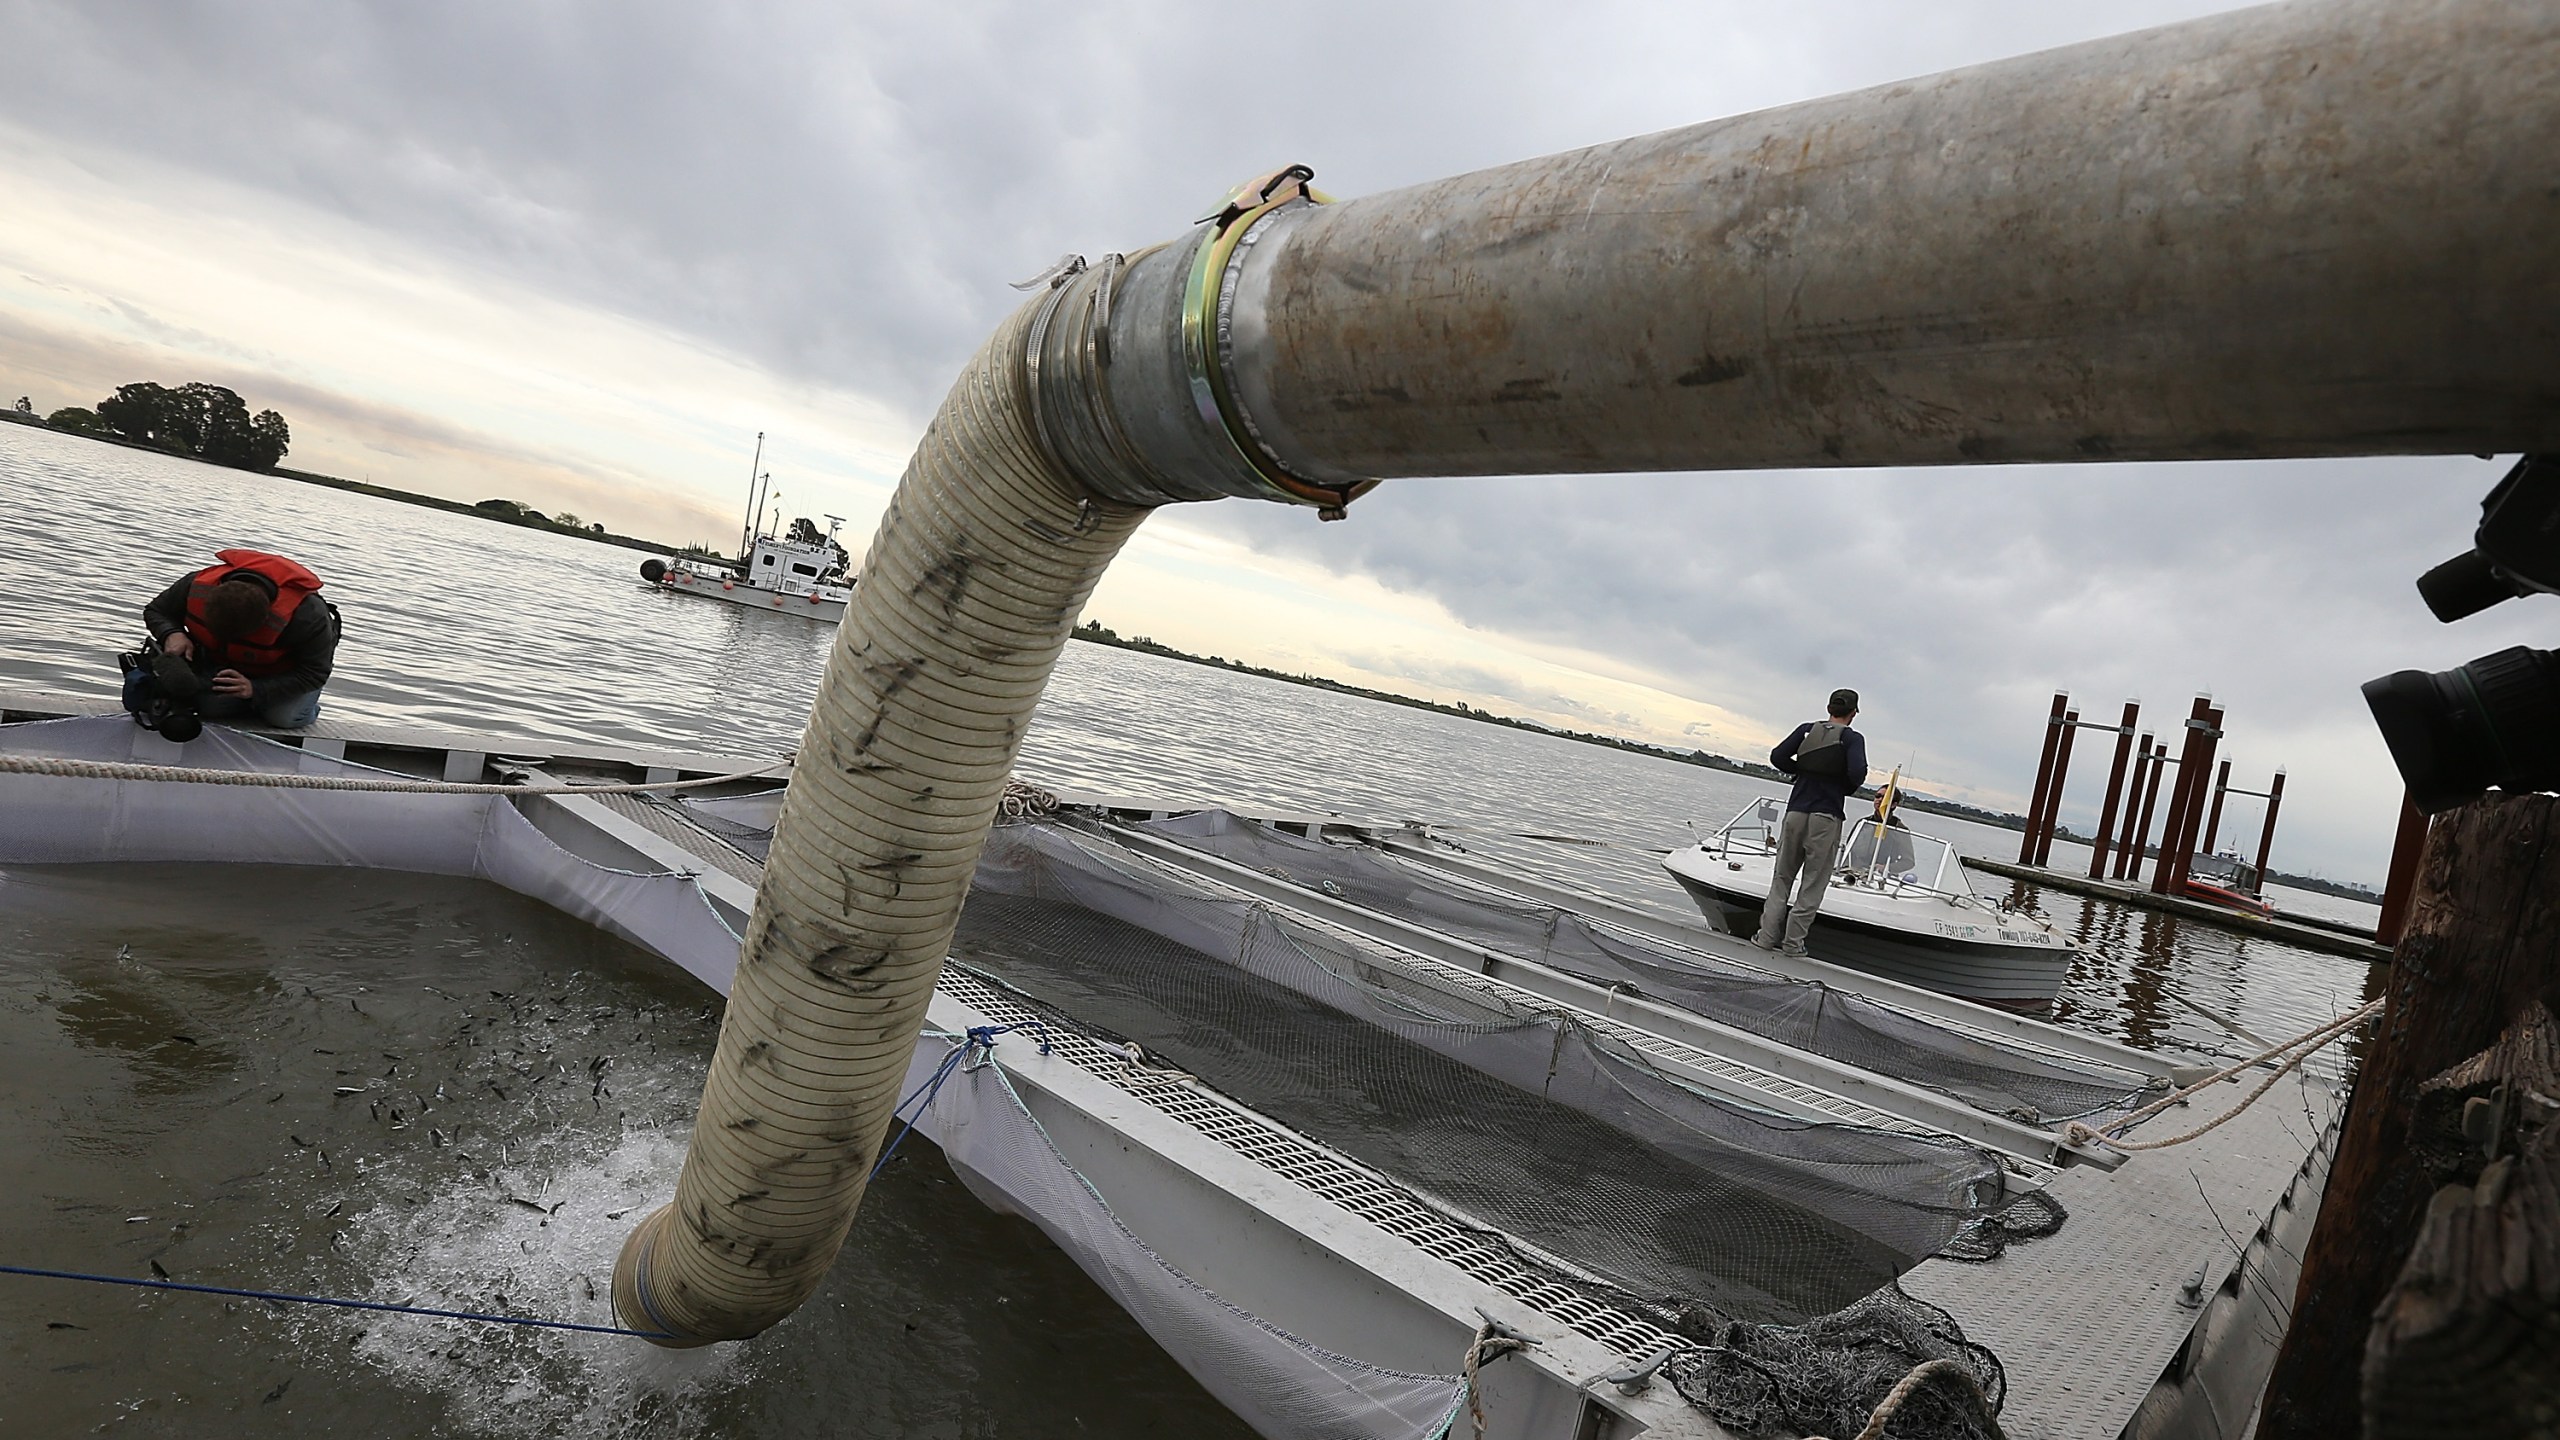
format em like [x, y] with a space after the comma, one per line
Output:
[1906, 862]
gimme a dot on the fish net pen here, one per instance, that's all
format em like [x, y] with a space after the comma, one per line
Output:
[1805, 1014]
[1531, 1124]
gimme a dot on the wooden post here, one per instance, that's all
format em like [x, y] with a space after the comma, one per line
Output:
[2053, 792]
[2115, 792]
[2213, 821]
[2468, 1341]
[2482, 946]
[2053, 733]
[2407, 847]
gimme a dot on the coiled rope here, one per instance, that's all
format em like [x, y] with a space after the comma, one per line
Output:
[286, 1297]
[2305, 1045]
[189, 775]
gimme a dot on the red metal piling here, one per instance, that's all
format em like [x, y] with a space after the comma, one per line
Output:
[2138, 838]
[2192, 821]
[2213, 821]
[2053, 792]
[2115, 792]
[2267, 837]
[2053, 733]
[2406, 848]
[2181, 795]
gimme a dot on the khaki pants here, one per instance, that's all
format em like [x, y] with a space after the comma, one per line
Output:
[1807, 844]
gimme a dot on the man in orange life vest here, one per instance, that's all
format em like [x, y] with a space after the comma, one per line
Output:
[254, 626]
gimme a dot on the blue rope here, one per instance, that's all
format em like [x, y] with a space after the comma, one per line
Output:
[279, 1295]
[979, 1040]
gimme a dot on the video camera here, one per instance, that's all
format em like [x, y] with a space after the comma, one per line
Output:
[2495, 721]
[164, 692]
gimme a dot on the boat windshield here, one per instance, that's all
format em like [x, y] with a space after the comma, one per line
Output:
[1889, 857]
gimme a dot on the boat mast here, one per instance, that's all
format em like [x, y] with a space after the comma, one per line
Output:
[745, 537]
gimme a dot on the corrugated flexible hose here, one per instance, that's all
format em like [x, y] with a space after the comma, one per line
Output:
[980, 567]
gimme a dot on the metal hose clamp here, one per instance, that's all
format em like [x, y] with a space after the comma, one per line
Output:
[1205, 318]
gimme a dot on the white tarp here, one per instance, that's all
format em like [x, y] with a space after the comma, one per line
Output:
[60, 820]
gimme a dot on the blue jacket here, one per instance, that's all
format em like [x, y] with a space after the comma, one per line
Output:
[1821, 794]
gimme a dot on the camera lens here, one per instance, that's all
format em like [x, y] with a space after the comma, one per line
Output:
[180, 726]
[2455, 733]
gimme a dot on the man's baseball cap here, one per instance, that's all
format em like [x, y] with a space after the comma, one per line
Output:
[1844, 702]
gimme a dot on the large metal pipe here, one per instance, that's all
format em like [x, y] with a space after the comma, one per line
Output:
[2313, 229]
[2306, 229]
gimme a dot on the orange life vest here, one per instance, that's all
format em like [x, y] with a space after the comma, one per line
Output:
[258, 653]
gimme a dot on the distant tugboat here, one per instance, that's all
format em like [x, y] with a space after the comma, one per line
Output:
[799, 572]
[2228, 881]
[802, 573]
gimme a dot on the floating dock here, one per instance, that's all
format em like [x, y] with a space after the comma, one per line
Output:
[2157, 1302]
[2325, 937]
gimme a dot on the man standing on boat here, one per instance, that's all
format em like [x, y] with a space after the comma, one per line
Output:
[254, 627]
[1829, 763]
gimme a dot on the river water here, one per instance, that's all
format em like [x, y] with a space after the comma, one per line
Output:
[172, 1048]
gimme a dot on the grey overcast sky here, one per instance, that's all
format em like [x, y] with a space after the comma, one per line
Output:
[579, 253]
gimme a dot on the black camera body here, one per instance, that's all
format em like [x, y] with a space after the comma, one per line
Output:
[164, 693]
[2496, 721]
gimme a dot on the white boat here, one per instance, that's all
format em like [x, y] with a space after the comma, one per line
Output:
[1898, 906]
[801, 573]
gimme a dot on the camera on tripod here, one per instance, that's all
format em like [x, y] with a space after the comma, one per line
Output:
[2496, 721]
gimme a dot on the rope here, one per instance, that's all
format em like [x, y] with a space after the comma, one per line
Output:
[979, 1042]
[1910, 1386]
[283, 1296]
[1022, 801]
[2308, 1044]
[1492, 1342]
[189, 775]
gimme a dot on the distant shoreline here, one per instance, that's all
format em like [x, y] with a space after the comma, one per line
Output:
[1099, 634]
[379, 492]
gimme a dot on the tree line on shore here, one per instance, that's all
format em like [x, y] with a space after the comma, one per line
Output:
[206, 422]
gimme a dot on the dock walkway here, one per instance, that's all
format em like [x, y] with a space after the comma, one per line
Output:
[2322, 937]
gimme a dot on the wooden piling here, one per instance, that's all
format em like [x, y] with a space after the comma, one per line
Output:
[2481, 948]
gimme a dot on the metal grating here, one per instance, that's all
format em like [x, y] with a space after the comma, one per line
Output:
[1327, 1175]
[676, 830]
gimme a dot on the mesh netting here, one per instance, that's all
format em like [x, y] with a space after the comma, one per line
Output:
[1827, 1376]
[1804, 1014]
[2033, 1215]
[1702, 1210]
